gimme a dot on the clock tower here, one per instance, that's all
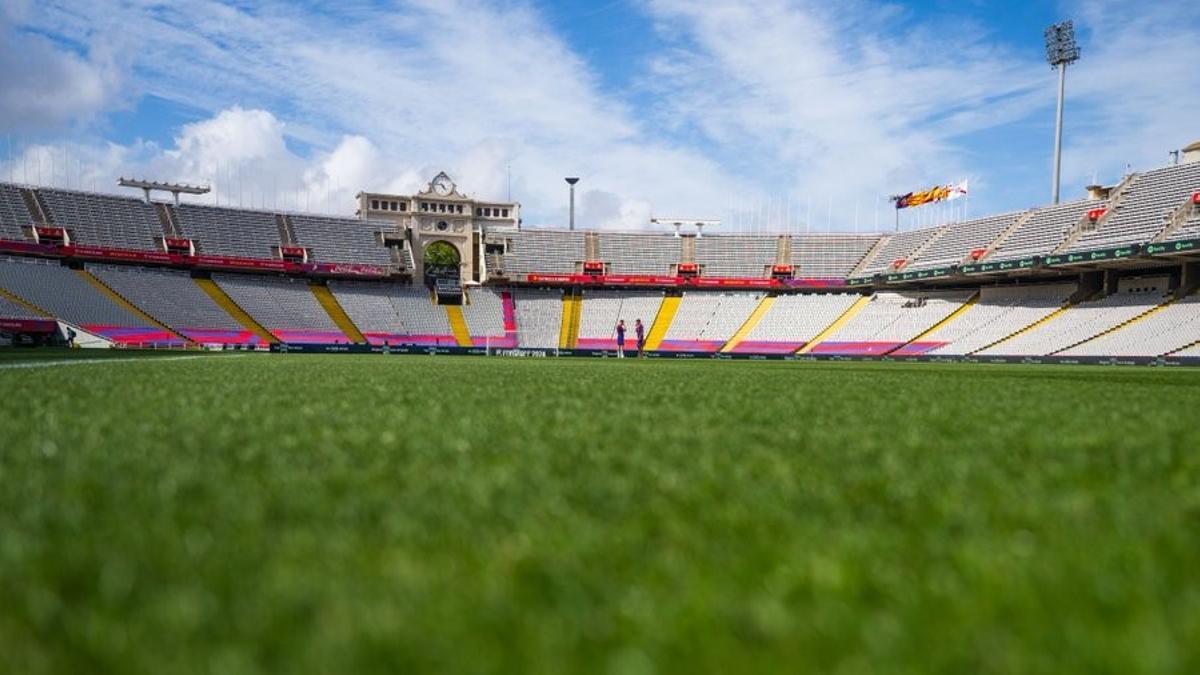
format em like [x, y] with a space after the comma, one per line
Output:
[441, 213]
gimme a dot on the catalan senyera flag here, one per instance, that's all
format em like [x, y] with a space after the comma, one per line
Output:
[939, 193]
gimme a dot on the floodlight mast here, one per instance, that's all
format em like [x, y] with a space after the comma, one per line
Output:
[1061, 50]
[148, 186]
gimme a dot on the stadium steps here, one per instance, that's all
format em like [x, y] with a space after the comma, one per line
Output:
[759, 312]
[869, 257]
[127, 305]
[334, 309]
[458, 325]
[568, 330]
[662, 321]
[234, 310]
[1008, 232]
[1045, 319]
[286, 234]
[1179, 218]
[169, 227]
[966, 307]
[1139, 317]
[34, 205]
[1085, 224]
[837, 324]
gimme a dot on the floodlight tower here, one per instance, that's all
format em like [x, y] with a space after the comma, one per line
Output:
[572, 180]
[1061, 50]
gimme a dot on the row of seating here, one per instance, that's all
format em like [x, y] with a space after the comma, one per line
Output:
[1012, 320]
[1144, 208]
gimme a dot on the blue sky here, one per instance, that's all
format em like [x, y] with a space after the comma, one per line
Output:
[767, 114]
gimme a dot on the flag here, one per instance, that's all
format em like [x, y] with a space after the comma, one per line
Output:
[938, 193]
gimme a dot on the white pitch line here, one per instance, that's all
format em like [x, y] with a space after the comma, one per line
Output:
[85, 362]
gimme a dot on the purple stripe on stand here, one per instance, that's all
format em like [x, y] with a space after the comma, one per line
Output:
[320, 337]
[855, 348]
[916, 348]
[216, 336]
[690, 345]
[397, 339]
[130, 335]
[764, 347]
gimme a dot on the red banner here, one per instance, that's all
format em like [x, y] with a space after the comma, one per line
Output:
[28, 325]
[697, 282]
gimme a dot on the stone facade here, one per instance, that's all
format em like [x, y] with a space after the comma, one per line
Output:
[441, 213]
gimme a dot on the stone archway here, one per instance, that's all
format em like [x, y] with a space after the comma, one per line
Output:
[441, 259]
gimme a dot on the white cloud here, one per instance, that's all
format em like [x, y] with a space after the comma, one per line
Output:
[833, 104]
[44, 87]
[1134, 94]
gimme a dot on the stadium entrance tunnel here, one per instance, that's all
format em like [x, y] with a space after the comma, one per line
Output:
[443, 271]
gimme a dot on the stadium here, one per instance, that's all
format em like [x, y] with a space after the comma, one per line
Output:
[1106, 278]
[432, 437]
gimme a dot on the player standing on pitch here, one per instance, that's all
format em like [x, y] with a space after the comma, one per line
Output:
[641, 335]
[621, 338]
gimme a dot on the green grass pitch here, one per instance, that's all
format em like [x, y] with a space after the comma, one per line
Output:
[358, 514]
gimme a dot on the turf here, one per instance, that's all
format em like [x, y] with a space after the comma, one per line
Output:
[357, 514]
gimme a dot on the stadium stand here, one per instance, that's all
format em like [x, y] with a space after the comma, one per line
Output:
[12, 310]
[640, 253]
[890, 320]
[793, 321]
[484, 313]
[14, 217]
[1190, 227]
[230, 232]
[66, 295]
[285, 306]
[705, 321]
[955, 242]
[1169, 329]
[105, 220]
[539, 317]
[999, 312]
[394, 313]
[1144, 209]
[1086, 320]
[545, 251]
[829, 255]
[341, 240]
[174, 299]
[602, 309]
[899, 247]
[1044, 230]
[733, 255]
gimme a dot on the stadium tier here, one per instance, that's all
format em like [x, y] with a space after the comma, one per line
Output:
[792, 321]
[1086, 320]
[104, 220]
[1000, 312]
[340, 240]
[70, 296]
[14, 216]
[174, 299]
[287, 307]
[705, 321]
[1048, 281]
[953, 245]
[391, 313]
[831, 255]
[1042, 231]
[539, 317]
[1145, 208]
[231, 232]
[892, 323]
[601, 310]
